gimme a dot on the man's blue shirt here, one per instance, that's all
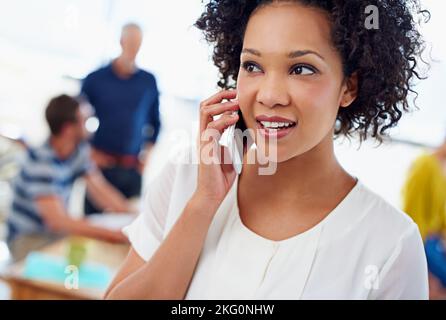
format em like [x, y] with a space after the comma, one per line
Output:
[127, 109]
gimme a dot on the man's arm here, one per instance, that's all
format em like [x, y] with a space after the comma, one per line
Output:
[56, 218]
[152, 130]
[144, 155]
[105, 195]
[86, 89]
[153, 117]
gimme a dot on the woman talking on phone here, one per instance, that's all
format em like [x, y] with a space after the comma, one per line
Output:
[297, 73]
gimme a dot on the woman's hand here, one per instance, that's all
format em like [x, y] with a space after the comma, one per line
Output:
[215, 178]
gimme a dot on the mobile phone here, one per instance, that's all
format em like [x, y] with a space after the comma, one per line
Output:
[234, 144]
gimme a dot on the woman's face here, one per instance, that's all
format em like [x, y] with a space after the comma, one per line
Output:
[290, 70]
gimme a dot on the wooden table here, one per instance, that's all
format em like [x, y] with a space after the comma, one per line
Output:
[110, 255]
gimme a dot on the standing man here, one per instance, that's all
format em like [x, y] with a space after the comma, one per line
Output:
[126, 102]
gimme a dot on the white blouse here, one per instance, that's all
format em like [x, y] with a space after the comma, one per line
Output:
[364, 249]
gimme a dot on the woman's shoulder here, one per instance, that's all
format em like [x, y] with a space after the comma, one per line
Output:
[370, 219]
[177, 163]
[176, 178]
[381, 221]
[165, 195]
[378, 205]
[376, 233]
[392, 242]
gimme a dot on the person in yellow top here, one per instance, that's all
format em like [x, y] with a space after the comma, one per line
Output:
[424, 200]
[424, 193]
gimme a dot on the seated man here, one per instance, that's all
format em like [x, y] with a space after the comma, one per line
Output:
[43, 186]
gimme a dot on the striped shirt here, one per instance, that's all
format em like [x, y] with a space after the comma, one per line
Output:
[42, 173]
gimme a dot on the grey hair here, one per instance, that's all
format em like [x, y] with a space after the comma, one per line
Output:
[131, 25]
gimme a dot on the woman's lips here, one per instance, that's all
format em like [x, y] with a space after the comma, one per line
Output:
[276, 132]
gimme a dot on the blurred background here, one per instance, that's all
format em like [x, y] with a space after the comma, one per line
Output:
[47, 47]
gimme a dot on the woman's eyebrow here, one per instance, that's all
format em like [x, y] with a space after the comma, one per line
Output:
[291, 55]
[300, 53]
[252, 51]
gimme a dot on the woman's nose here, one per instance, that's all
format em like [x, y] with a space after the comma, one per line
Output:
[273, 92]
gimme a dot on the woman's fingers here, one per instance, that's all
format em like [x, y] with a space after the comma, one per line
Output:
[215, 178]
[218, 97]
[228, 112]
[215, 128]
[213, 106]
[223, 122]
[207, 114]
[220, 108]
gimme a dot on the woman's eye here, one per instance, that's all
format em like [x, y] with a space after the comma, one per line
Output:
[302, 70]
[251, 67]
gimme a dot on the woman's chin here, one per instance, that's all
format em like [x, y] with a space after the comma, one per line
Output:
[276, 153]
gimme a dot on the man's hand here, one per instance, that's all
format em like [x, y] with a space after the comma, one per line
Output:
[56, 218]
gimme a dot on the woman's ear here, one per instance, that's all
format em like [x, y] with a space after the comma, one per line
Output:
[350, 90]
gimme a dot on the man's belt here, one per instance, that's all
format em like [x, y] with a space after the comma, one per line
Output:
[128, 161]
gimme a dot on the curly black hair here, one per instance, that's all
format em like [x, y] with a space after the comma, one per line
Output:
[385, 59]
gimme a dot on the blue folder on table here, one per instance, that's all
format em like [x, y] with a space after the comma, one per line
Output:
[40, 266]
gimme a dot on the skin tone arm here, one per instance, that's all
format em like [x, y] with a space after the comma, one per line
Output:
[168, 273]
[145, 156]
[105, 195]
[57, 220]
